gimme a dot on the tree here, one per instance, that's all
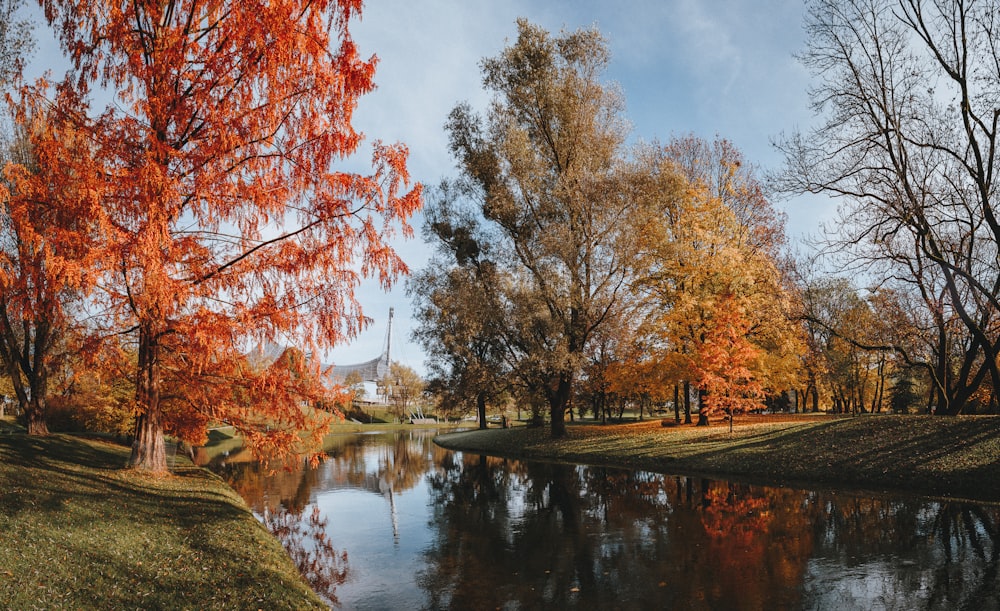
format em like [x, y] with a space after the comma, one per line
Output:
[47, 239]
[722, 363]
[91, 391]
[903, 395]
[356, 385]
[226, 223]
[708, 242]
[543, 170]
[458, 303]
[907, 95]
[405, 387]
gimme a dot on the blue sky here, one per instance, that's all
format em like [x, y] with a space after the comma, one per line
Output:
[708, 67]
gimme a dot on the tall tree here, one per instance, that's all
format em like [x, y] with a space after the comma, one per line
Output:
[226, 222]
[907, 97]
[543, 169]
[712, 239]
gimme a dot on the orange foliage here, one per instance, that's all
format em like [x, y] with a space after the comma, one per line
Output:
[48, 240]
[721, 365]
[716, 301]
[741, 520]
[225, 222]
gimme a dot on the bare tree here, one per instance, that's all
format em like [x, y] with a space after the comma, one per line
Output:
[908, 92]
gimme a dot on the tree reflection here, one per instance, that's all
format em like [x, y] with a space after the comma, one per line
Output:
[535, 536]
[305, 539]
[969, 576]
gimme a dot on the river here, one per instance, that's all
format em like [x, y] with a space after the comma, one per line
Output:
[392, 521]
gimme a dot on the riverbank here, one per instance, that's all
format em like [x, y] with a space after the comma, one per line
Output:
[926, 455]
[81, 533]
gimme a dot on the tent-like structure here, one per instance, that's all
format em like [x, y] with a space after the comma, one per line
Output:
[373, 370]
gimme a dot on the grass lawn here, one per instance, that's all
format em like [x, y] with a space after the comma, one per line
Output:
[937, 456]
[78, 532]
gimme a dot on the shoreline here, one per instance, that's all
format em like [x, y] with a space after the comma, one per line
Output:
[951, 458]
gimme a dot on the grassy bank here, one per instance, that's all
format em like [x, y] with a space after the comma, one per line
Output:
[948, 457]
[80, 533]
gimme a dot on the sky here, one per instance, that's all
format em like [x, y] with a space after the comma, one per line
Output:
[712, 68]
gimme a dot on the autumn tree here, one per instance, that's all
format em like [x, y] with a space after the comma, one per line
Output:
[703, 249]
[628, 367]
[405, 387]
[723, 360]
[16, 42]
[47, 243]
[542, 169]
[620, 368]
[723, 171]
[226, 223]
[92, 391]
[356, 385]
[906, 93]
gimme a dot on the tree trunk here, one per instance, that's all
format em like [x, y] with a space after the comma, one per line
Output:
[687, 402]
[148, 448]
[558, 400]
[702, 414]
[38, 382]
[481, 408]
[677, 405]
[35, 418]
[879, 387]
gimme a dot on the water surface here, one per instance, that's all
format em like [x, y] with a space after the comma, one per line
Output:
[391, 521]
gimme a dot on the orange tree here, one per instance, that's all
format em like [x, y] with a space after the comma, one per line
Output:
[722, 362]
[47, 241]
[225, 222]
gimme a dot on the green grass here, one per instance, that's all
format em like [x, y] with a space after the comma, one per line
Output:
[78, 532]
[936, 456]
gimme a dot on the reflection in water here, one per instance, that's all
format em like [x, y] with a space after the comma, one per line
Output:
[428, 528]
[306, 541]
